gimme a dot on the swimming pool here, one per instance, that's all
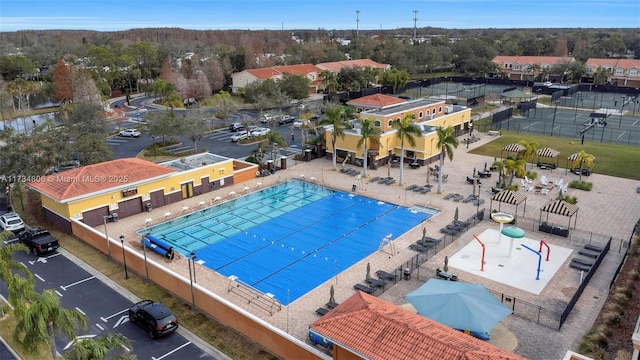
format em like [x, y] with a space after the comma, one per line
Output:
[289, 238]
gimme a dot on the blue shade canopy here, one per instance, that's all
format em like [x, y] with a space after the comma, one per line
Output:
[458, 305]
[513, 232]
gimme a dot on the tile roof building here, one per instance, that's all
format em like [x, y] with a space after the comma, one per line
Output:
[366, 327]
[622, 72]
[248, 76]
[534, 68]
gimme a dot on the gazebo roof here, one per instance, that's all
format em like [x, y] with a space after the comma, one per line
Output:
[548, 153]
[560, 207]
[509, 197]
[574, 157]
[515, 147]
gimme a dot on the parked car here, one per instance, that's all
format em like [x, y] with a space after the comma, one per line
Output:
[286, 119]
[155, 318]
[239, 136]
[266, 118]
[297, 124]
[236, 127]
[129, 133]
[547, 83]
[39, 241]
[260, 131]
[11, 222]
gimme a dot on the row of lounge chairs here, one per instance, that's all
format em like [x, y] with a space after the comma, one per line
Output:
[419, 189]
[324, 310]
[383, 180]
[590, 251]
[350, 172]
[454, 228]
[454, 196]
[424, 244]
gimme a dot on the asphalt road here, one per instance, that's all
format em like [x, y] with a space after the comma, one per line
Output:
[106, 308]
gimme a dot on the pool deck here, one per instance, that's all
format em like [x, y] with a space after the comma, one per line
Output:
[617, 198]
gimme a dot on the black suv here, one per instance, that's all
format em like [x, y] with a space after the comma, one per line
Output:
[154, 317]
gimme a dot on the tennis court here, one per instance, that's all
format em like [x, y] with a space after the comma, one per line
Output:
[290, 238]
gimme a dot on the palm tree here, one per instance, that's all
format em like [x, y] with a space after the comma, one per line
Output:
[370, 134]
[41, 318]
[583, 159]
[100, 347]
[514, 168]
[333, 116]
[330, 81]
[530, 148]
[446, 143]
[405, 131]
[274, 139]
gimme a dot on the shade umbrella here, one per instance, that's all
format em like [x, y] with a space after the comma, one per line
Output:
[458, 305]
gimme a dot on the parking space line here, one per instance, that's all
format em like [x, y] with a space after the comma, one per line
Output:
[39, 277]
[59, 293]
[76, 283]
[114, 315]
[80, 311]
[172, 351]
[99, 327]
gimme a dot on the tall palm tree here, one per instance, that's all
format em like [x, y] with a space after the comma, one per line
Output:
[100, 347]
[330, 81]
[530, 149]
[44, 316]
[583, 159]
[274, 139]
[369, 134]
[333, 116]
[446, 143]
[405, 131]
[513, 168]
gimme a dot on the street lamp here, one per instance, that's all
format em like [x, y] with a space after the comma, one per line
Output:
[106, 235]
[146, 268]
[553, 121]
[193, 260]
[193, 297]
[478, 203]
[621, 111]
[153, 138]
[124, 258]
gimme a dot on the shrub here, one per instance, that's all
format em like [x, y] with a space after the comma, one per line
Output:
[532, 175]
[581, 185]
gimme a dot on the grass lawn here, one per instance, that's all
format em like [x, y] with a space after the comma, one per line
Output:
[610, 159]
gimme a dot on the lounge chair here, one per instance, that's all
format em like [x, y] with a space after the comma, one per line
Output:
[593, 248]
[478, 202]
[382, 180]
[589, 253]
[448, 231]
[449, 196]
[364, 288]
[579, 266]
[461, 223]
[330, 305]
[469, 198]
[385, 275]
[374, 179]
[322, 311]
[412, 187]
[583, 261]
[432, 240]
[376, 282]
[425, 190]
[425, 243]
[390, 181]
[457, 197]
[419, 248]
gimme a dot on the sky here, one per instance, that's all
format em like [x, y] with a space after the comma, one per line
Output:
[111, 15]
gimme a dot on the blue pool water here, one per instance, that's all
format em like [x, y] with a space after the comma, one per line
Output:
[290, 238]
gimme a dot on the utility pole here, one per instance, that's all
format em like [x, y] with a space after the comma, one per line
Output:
[357, 23]
[415, 24]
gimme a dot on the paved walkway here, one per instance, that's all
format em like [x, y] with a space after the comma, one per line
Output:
[611, 208]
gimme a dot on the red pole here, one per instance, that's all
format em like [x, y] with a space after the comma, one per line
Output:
[483, 249]
[548, 249]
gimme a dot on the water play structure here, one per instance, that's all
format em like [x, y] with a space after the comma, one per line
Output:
[501, 218]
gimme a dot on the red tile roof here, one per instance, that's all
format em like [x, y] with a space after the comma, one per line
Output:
[614, 63]
[376, 329]
[263, 73]
[88, 179]
[523, 60]
[376, 100]
[274, 71]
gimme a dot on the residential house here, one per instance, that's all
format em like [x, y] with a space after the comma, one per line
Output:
[366, 327]
[336, 66]
[383, 110]
[534, 68]
[248, 76]
[622, 72]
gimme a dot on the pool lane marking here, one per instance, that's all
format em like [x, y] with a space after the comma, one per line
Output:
[76, 283]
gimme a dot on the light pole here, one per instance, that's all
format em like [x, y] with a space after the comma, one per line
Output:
[146, 269]
[621, 111]
[468, 136]
[553, 121]
[124, 258]
[153, 139]
[193, 297]
[478, 203]
[193, 261]
[106, 235]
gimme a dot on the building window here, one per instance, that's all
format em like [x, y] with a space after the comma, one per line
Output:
[619, 71]
[633, 72]
[516, 67]
[410, 154]
[420, 114]
[376, 123]
[390, 123]
[434, 111]
[440, 110]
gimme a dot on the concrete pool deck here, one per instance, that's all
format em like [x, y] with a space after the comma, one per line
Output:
[612, 196]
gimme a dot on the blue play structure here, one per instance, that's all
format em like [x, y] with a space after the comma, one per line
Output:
[539, 259]
[288, 239]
